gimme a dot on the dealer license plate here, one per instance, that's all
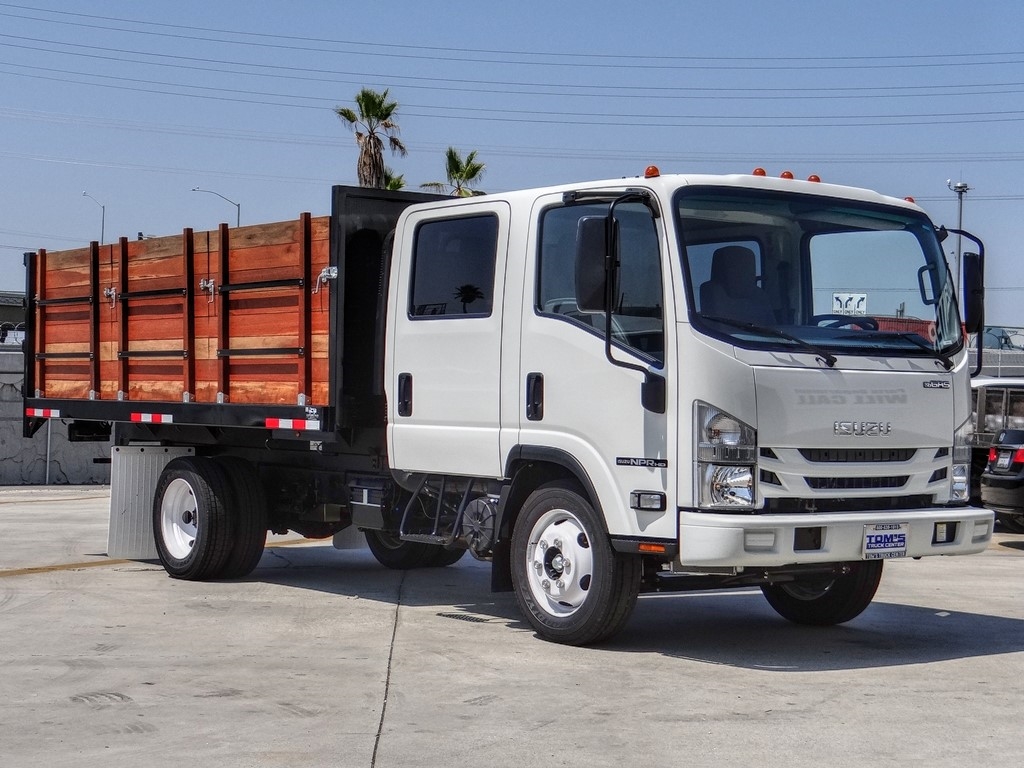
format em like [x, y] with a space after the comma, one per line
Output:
[1004, 460]
[885, 540]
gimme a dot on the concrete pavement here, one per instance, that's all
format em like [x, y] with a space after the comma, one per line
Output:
[322, 657]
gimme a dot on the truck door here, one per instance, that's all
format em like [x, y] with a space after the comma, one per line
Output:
[576, 401]
[445, 319]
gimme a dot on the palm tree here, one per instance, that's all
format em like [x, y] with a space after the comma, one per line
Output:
[392, 180]
[461, 174]
[374, 118]
[467, 294]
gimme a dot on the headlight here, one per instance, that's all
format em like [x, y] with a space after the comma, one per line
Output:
[726, 451]
[960, 476]
[727, 486]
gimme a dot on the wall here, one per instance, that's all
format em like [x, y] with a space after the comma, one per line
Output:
[23, 461]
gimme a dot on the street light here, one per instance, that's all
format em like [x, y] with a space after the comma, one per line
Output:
[961, 189]
[103, 214]
[238, 206]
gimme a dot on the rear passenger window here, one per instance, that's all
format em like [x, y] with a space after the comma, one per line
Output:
[453, 267]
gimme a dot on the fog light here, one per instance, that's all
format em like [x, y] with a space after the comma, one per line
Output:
[758, 540]
[945, 533]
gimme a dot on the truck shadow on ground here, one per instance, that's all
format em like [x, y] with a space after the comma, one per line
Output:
[734, 628]
[740, 629]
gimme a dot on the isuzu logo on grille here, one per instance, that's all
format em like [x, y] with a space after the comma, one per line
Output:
[862, 428]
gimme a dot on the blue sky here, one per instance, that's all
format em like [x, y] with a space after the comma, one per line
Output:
[137, 103]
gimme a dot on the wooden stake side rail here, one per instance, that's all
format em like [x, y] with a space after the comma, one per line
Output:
[225, 316]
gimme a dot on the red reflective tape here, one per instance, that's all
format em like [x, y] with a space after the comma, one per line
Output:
[43, 413]
[299, 424]
[153, 418]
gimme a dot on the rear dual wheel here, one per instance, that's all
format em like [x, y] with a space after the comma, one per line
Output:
[392, 552]
[209, 518]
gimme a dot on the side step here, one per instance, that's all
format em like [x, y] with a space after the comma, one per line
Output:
[428, 538]
[445, 522]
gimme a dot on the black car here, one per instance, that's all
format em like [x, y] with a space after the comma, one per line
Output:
[1002, 483]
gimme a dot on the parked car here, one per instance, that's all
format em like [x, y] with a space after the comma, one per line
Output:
[996, 404]
[1002, 483]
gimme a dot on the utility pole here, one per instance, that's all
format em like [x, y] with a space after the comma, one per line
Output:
[961, 189]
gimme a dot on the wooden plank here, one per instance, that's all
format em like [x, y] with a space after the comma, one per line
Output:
[75, 388]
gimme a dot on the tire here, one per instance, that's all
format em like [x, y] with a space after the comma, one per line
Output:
[571, 586]
[247, 508]
[826, 601]
[1012, 523]
[191, 524]
[445, 556]
[392, 552]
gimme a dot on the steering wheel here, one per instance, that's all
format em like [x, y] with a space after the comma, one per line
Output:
[838, 321]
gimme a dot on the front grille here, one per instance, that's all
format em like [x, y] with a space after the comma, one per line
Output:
[856, 483]
[823, 455]
[833, 504]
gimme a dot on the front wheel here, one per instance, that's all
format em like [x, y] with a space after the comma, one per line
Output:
[824, 601]
[570, 584]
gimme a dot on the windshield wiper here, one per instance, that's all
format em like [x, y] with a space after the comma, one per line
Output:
[826, 357]
[913, 338]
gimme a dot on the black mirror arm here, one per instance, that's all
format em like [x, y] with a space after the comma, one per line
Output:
[981, 265]
[652, 393]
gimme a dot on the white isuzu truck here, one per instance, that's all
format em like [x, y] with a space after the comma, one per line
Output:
[657, 383]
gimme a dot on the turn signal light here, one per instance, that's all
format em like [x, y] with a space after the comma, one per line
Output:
[645, 546]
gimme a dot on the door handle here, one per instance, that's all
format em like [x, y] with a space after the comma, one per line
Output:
[405, 394]
[534, 396]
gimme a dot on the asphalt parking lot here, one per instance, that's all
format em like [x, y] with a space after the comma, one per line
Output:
[322, 657]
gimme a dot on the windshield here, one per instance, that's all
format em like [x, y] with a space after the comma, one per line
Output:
[789, 271]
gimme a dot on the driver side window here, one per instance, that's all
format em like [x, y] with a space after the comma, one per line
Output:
[638, 314]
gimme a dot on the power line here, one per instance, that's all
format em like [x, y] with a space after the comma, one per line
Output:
[565, 153]
[593, 118]
[263, 70]
[756, 62]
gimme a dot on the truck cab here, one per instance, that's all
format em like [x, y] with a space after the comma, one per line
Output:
[753, 380]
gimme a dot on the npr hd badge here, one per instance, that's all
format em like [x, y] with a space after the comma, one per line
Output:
[626, 461]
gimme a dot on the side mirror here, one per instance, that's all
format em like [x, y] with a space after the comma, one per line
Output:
[973, 293]
[591, 264]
